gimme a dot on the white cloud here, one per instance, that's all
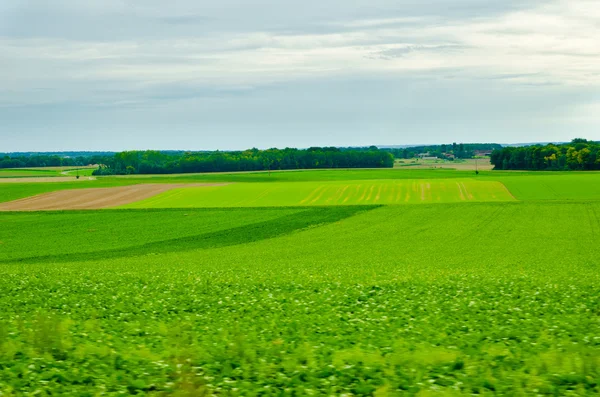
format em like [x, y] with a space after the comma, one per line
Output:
[553, 43]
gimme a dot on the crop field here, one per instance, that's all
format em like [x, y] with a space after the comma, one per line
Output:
[522, 185]
[22, 173]
[93, 198]
[45, 172]
[78, 171]
[558, 187]
[307, 283]
[329, 193]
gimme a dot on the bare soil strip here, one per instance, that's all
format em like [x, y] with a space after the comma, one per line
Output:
[94, 198]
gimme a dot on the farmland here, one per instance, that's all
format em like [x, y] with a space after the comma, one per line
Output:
[329, 193]
[522, 185]
[45, 172]
[313, 282]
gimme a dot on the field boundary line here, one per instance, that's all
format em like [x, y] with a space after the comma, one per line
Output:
[508, 190]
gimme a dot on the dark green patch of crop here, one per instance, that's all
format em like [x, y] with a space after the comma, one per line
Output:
[228, 227]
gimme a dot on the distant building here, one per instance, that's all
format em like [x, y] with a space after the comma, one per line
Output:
[482, 153]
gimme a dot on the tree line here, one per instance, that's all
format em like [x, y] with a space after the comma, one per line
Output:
[156, 162]
[28, 161]
[165, 161]
[579, 154]
[458, 150]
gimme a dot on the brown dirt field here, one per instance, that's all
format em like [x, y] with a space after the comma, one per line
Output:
[94, 198]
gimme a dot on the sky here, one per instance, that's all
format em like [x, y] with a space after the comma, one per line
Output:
[234, 74]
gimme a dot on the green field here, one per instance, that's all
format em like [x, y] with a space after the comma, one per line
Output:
[298, 285]
[555, 187]
[45, 172]
[330, 193]
[522, 185]
[80, 172]
[23, 173]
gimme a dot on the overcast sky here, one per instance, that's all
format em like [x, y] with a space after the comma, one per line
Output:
[234, 74]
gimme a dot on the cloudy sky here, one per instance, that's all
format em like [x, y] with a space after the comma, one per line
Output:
[233, 74]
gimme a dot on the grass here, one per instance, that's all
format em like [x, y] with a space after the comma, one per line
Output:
[15, 191]
[80, 172]
[23, 173]
[577, 186]
[522, 185]
[91, 235]
[59, 168]
[310, 175]
[45, 172]
[441, 298]
[412, 299]
[330, 193]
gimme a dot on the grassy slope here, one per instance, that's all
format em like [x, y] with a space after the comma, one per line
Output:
[330, 193]
[476, 298]
[84, 232]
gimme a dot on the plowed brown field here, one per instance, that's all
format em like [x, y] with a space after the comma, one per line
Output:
[93, 198]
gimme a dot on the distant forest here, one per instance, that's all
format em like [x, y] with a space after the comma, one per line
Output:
[580, 154]
[454, 150]
[155, 162]
[27, 160]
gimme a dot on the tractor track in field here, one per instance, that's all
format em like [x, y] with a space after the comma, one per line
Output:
[481, 224]
[94, 198]
[593, 220]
